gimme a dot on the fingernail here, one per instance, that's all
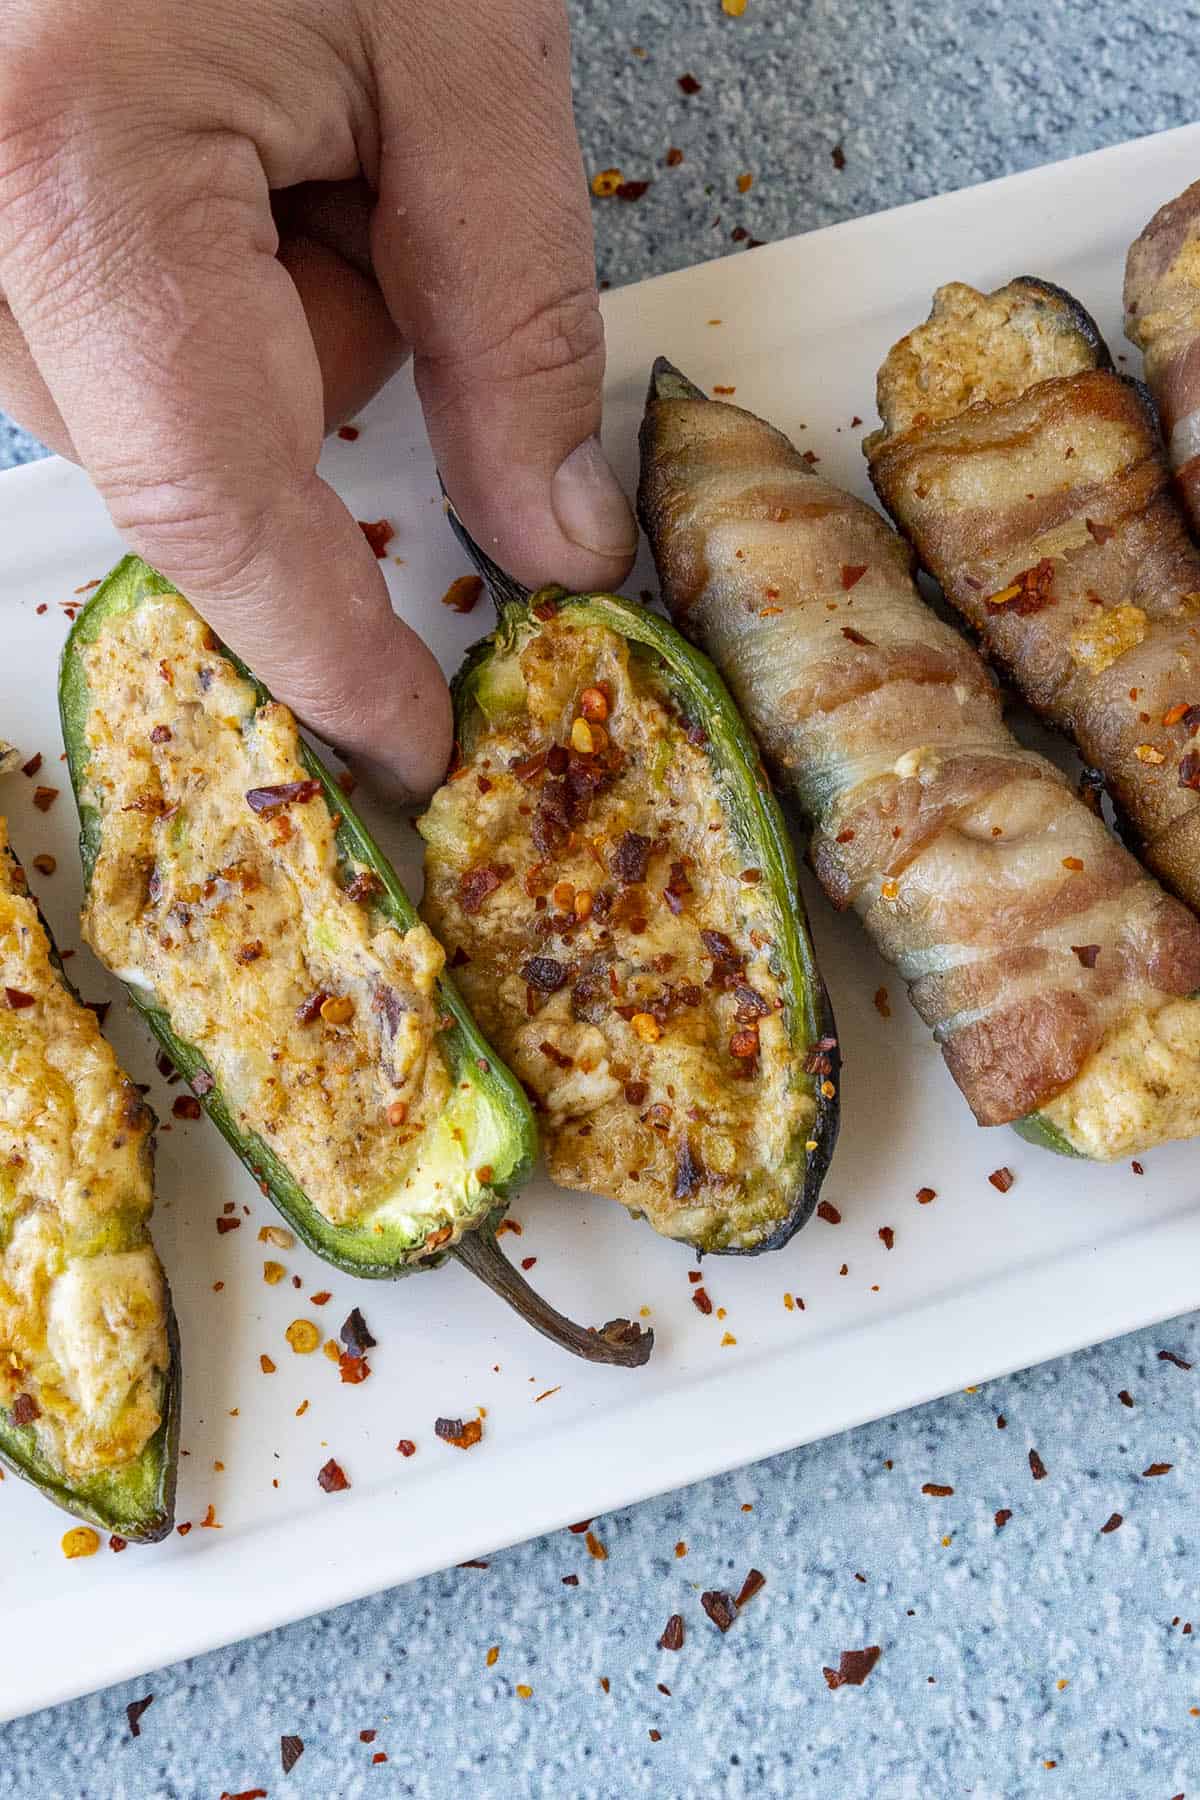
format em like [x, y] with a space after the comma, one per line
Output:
[589, 504]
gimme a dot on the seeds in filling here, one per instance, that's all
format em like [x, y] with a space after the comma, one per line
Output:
[83, 1336]
[613, 940]
[218, 890]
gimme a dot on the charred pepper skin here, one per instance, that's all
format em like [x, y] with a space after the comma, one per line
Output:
[470, 1059]
[136, 1503]
[746, 797]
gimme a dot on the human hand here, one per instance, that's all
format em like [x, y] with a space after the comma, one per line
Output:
[222, 227]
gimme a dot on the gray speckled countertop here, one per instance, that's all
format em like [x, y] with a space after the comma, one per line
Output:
[1041, 1658]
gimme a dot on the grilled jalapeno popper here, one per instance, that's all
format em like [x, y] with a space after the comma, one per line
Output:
[1031, 481]
[233, 888]
[1053, 970]
[1162, 317]
[617, 883]
[89, 1381]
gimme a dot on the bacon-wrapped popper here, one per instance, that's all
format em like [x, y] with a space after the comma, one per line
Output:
[1031, 482]
[1054, 971]
[1162, 317]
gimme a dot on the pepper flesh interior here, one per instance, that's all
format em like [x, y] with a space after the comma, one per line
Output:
[614, 939]
[85, 1337]
[220, 894]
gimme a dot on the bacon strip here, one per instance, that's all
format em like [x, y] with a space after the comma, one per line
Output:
[969, 859]
[1047, 516]
[1162, 317]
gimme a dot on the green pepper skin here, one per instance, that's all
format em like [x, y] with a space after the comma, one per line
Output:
[748, 802]
[137, 1502]
[1037, 1130]
[355, 1250]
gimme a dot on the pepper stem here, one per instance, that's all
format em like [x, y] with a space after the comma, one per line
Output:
[504, 590]
[620, 1342]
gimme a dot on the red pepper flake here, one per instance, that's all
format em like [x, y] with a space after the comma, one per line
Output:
[1137, 1168]
[367, 1737]
[268, 801]
[353, 1368]
[118, 1543]
[1028, 592]
[838, 157]
[672, 1637]
[406, 1447]
[544, 974]
[673, 158]
[246, 1794]
[925, 1195]
[570, 1581]
[186, 1106]
[689, 85]
[655, 1736]
[887, 1237]
[320, 1299]
[1001, 1422]
[380, 1756]
[1125, 1397]
[580, 1528]
[366, 885]
[937, 1489]
[701, 1301]
[527, 1262]
[462, 596]
[1002, 1517]
[827, 1211]
[1037, 1467]
[462, 1435]
[1189, 770]
[595, 1548]
[349, 434]
[332, 1478]
[1170, 1356]
[720, 1607]
[1159, 1469]
[378, 534]
[1087, 954]
[754, 1583]
[856, 637]
[18, 999]
[309, 1011]
[224, 1225]
[853, 1667]
[31, 767]
[1114, 1522]
[44, 798]
[1001, 1179]
[631, 190]
[852, 574]
[810, 457]
[25, 1410]
[475, 885]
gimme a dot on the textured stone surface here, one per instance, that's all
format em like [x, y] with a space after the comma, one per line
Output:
[978, 1625]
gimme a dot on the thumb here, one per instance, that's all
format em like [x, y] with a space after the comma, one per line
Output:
[482, 243]
[182, 364]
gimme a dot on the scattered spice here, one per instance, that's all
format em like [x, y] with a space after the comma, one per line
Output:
[887, 1237]
[595, 1548]
[224, 1225]
[1159, 1469]
[462, 1435]
[81, 1540]
[689, 85]
[1114, 1522]
[672, 1637]
[721, 1608]
[44, 798]
[378, 534]
[937, 1489]
[44, 863]
[1037, 1467]
[754, 1583]
[925, 1195]
[1170, 1356]
[134, 1712]
[462, 596]
[186, 1106]
[606, 182]
[332, 1478]
[829, 1212]
[1125, 1397]
[1002, 1517]
[838, 157]
[303, 1335]
[882, 1003]
[406, 1447]
[1001, 1179]
[356, 1335]
[853, 1667]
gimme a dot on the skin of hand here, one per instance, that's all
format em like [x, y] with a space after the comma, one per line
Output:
[224, 226]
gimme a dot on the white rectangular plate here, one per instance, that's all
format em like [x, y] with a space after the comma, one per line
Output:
[977, 1284]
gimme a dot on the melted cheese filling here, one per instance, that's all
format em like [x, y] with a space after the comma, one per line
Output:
[1140, 1088]
[626, 1044]
[83, 1337]
[317, 1017]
